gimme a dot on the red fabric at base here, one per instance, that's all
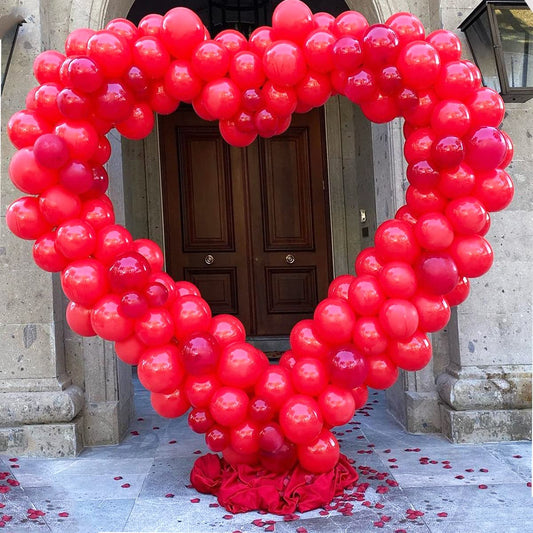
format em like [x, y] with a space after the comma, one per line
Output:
[249, 488]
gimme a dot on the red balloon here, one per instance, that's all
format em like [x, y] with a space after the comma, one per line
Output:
[309, 376]
[233, 41]
[339, 287]
[45, 254]
[113, 102]
[360, 396]
[486, 108]
[210, 60]
[337, 405]
[227, 329]
[130, 350]
[221, 98]
[246, 70]
[287, 360]
[420, 115]
[279, 101]
[457, 182]
[347, 55]
[260, 410]
[324, 21]
[161, 101]
[390, 83]
[398, 280]
[274, 386]
[260, 39]
[156, 293]
[361, 86]
[418, 145]
[420, 203]
[108, 322]
[77, 176]
[155, 327]
[57, 205]
[74, 106]
[75, 239]
[351, 23]
[28, 175]
[123, 28]
[301, 419]
[232, 135]
[305, 341]
[395, 241]
[151, 252]
[366, 295]
[405, 214]
[380, 46]
[455, 80]
[450, 117]
[494, 189]
[84, 281]
[133, 305]
[467, 215]
[169, 405]
[181, 32]
[282, 460]
[151, 56]
[217, 439]
[437, 272]
[314, 90]
[46, 66]
[367, 262]
[25, 220]
[80, 137]
[139, 124]
[407, 27]
[129, 271]
[398, 318]
[292, 20]
[318, 50]
[447, 152]
[191, 314]
[200, 389]
[98, 213]
[321, 455]
[200, 420]
[183, 288]
[76, 43]
[228, 406]
[240, 365]
[271, 438]
[419, 65]
[160, 369]
[447, 45]
[347, 367]
[334, 321]
[413, 354]
[79, 319]
[25, 127]
[433, 311]
[472, 254]
[151, 25]
[369, 337]
[84, 75]
[200, 354]
[110, 52]
[433, 231]
[284, 63]
[45, 100]
[244, 438]
[459, 293]
[112, 241]
[382, 372]
[50, 151]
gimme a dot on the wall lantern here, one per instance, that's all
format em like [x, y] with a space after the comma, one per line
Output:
[500, 35]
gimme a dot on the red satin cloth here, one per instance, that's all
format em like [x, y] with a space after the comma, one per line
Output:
[251, 488]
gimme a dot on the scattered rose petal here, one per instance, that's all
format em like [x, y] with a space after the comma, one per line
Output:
[126, 486]
[63, 514]
[517, 457]
[134, 433]
[214, 505]
[227, 517]
[117, 478]
[169, 495]
[258, 522]
[197, 452]
[529, 483]
[442, 515]
[482, 487]
[271, 528]
[301, 530]
[7, 517]
[469, 470]
[195, 500]
[483, 470]
[13, 460]
[459, 477]
[172, 442]
[140, 419]
[379, 524]
[379, 506]
[385, 518]
[15, 466]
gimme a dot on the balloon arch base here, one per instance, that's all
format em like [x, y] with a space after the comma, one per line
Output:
[243, 487]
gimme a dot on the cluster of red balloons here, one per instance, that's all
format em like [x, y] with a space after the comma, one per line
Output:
[371, 324]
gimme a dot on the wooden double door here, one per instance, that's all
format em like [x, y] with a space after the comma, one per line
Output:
[248, 226]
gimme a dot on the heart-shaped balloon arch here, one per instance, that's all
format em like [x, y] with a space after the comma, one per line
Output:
[274, 419]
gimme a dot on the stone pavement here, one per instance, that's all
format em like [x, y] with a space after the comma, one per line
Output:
[416, 483]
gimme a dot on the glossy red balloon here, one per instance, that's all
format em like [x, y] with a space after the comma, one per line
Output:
[398, 280]
[110, 52]
[292, 20]
[84, 281]
[79, 319]
[351, 23]
[75, 239]
[28, 175]
[369, 337]
[112, 241]
[309, 376]
[129, 271]
[305, 341]
[433, 311]
[229, 406]
[413, 354]
[170, 405]
[284, 63]
[494, 189]
[459, 293]
[58, 204]
[407, 27]
[437, 272]
[181, 32]
[301, 419]
[274, 385]
[200, 420]
[217, 439]
[210, 60]
[80, 137]
[457, 182]
[233, 41]
[191, 314]
[240, 365]
[347, 367]
[472, 254]
[130, 350]
[467, 215]
[46, 255]
[339, 287]
[25, 220]
[337, 405]
[398, 318]
[455, 80]
[366, 295]
[367, 262]
[447, 44]
[200, 354]
[160, 369]
[244, 438]
[321, 455]
[434, 231]
[334, 320]
[419, 65]
[382, 372]
[200, 389]
[151, 251]
[155, 327]
[108, 322]
[221, 98]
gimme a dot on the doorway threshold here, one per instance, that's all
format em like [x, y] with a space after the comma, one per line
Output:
[273, 346]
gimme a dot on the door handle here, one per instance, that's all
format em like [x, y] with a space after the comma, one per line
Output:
[209, 259]
[290, 259]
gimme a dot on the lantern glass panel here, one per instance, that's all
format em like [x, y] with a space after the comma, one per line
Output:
[515, 26]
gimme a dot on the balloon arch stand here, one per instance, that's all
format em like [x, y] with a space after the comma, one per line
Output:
[271, 423]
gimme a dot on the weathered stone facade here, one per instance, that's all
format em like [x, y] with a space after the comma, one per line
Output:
[59, 392]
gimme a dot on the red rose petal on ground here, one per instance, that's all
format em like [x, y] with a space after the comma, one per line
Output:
[469, 470]
[15, 466]
[258, 522]
[169, 495]
[379, 524]
[117, 478]
[271, 528]
[386, 518]
[517, 457]
[298, 530]
[4, 489]
[529, 483]
[2, 524]
[197, 452]
[214, 505]
[366, 503]
[482, 487]
[172, 442]
[400, 531]
[155, 427]
[63, 514]
[126, 486]
[2, 505]
[447, 467]
[13, 460]
[459, 477]
[379, 506]
[442, 515]
[7, 517]
[227, 517]
[134, 433]
[140, 419]
[195, 500]
[483, 470]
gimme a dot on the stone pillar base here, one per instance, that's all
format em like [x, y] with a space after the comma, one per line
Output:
[43, 440]
[485, 426]
[422, 412]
